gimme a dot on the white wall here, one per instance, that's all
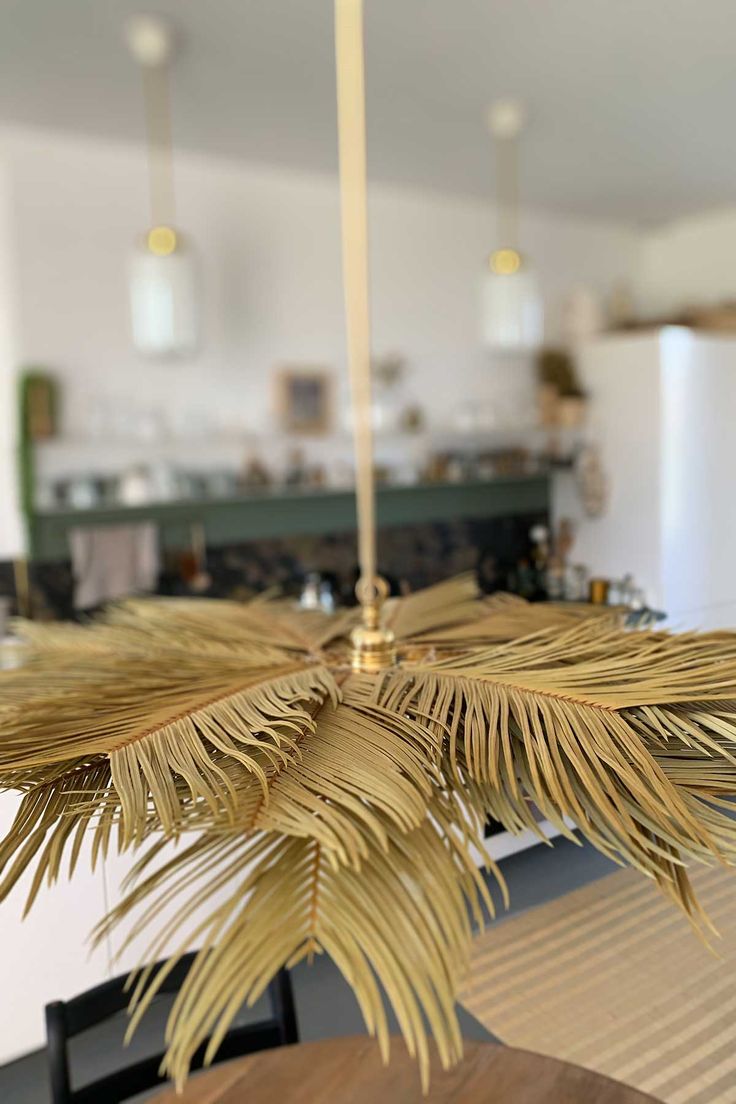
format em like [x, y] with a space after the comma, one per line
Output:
[46, 955]
[11, 530]
[270, 254]
[688, 262]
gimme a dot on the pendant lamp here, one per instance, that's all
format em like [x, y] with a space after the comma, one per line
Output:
[327, 776]
[511, 306]
[164, 286]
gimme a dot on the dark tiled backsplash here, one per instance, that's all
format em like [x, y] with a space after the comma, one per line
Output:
[410, 557]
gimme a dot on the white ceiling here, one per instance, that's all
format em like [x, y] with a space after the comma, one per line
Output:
[631, 101]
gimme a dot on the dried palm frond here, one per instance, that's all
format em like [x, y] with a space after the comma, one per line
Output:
[401, 921]
[336, 811]
[508, 617]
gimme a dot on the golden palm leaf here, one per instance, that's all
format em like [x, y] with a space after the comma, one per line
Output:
[335, 811]
[401, 920]
[346, 804]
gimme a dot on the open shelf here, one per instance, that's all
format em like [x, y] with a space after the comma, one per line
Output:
[286, 512]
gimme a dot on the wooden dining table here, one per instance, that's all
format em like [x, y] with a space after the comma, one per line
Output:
[349, 1071]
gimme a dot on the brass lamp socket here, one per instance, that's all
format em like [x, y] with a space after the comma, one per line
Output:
[374, 649]
[505, 262]
[162, 241]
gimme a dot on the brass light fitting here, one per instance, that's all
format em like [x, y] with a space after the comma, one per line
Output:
[504, 262]
[374, 645]
[162, 241]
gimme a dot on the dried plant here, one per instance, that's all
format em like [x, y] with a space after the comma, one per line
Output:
[334, 773]
[335, 811]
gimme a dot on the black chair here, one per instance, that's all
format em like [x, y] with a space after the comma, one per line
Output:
[65, 1019]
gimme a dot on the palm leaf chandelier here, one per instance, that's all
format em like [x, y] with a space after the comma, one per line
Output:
[328, 776]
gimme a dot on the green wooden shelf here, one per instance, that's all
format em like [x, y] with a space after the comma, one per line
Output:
[289, 512]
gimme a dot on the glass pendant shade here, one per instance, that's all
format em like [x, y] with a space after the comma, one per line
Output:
[512, 314]
[164, 302]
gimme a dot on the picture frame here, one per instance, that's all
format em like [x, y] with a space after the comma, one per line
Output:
[304, 400]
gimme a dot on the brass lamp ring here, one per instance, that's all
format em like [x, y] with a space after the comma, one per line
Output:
[372, 592]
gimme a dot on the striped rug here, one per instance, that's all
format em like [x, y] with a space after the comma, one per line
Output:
[612, 977]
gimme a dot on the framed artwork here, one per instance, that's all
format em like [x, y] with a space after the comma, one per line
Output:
[304, 400]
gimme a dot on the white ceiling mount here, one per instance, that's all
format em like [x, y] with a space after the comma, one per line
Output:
[150, 39]
[506, 118]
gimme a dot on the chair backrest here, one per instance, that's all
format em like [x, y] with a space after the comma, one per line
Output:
[65, 1019]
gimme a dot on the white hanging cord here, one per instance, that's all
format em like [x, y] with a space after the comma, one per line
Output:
[151, 42]
[505, 121]
[160, 149]
[507, 195]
